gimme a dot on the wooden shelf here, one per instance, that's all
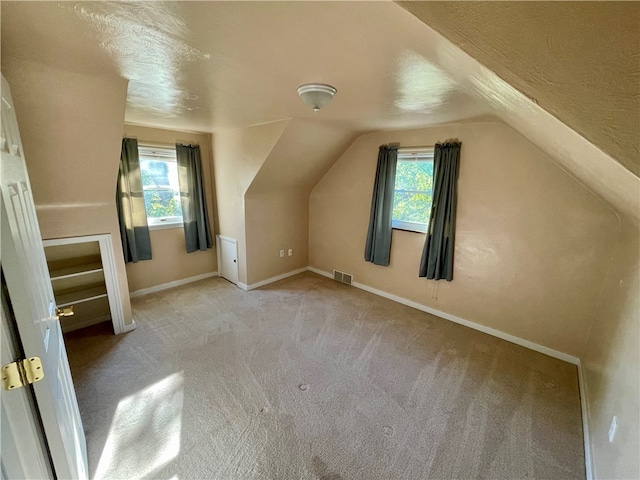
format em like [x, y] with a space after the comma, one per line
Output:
[75, 271]
[85, 294]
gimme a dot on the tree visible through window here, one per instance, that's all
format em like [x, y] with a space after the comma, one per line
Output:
[413, 191]
[159, 172]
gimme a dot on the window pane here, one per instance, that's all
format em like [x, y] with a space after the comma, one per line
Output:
[161, 190]
[413, 191]
[412, 207]
[414, 175]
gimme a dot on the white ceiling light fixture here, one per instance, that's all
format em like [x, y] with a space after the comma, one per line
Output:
[316, 94]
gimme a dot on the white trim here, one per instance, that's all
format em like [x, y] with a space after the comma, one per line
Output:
[157, 152]
[320, 272]
[130, 327]
[220, 260]
[229, 239]
[109, 269]
[166, 224]
[409, 226]
[175, 283]
[476, 326]
[71, 240]
[218, 256]
[447, 316]
[585, 423]
[467, 323]
[267, 281]
[111, 281]
[422, 152]
[509, 338]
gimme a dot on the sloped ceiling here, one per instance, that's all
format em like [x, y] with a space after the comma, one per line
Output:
[213, 66]
[303, 154]
[580, 61]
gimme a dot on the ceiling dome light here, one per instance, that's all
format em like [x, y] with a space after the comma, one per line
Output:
[316, 94]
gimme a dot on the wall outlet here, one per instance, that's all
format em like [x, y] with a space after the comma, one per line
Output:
[290, 251]
[612, 429]
[282, 253]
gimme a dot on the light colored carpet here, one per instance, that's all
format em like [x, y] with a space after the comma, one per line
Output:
[311, 379]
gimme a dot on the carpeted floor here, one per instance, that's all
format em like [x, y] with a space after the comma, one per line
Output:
[311, 379]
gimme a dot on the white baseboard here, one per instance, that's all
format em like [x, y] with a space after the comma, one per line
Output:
[447, 316]
[130, 327]
[504, 336]
[175, 283]
[467, 323]
[267, 281]
[320, 272]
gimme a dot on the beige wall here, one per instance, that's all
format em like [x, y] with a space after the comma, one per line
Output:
[611, 363]
[71, 129]
[264, 175]
[238, 155]
[555, 53]
[170, 260]
[277, 201]
[532, 244]
[276, 221]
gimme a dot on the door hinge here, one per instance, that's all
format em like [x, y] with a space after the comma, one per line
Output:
[21, 373]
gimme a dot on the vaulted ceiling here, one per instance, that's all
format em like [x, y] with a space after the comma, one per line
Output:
[580, 61]
[210, 66]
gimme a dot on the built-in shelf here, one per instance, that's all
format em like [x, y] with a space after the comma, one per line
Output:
[84, 294]
[83, 275]
[76, 271]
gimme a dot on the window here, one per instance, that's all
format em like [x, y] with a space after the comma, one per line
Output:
[413, 191]
[159, 171]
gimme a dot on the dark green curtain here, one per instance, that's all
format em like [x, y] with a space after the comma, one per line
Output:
[378, 247]
[132, 214]
[437, 255]
[197, 232]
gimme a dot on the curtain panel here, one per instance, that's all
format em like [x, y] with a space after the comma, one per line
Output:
[437, 256]
[197, 231]
[378, 246]
[132, 215]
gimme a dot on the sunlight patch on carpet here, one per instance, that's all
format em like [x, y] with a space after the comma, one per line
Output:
[145, 431]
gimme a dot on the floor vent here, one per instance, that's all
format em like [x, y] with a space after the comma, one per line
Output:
[342, 277]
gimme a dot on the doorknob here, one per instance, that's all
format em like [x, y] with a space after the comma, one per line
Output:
[65, 312]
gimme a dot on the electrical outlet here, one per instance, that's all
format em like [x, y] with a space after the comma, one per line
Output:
[290, 251]
[282, 253]
[612, 429]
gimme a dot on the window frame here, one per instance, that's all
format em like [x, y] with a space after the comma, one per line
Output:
[164, 154]
[423, 154]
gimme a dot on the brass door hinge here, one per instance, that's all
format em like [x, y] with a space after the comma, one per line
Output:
[21, 373]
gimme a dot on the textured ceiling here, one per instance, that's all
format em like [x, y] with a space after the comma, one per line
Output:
[207, 66]
[211, 66]
[580, 61]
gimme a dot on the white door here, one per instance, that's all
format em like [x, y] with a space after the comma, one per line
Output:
[228, 248]
[23, 451]
[29, 287]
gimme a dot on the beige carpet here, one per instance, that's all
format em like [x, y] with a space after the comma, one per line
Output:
[311, 379]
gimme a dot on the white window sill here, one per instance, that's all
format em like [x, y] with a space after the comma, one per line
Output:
[409, 226]
[165, 225]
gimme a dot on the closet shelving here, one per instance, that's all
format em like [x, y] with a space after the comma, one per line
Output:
[83, 276]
